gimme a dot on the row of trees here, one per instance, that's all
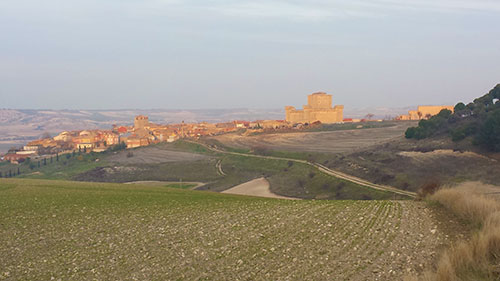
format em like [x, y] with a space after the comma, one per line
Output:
[478, 120]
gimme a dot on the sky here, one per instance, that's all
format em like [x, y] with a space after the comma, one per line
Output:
[195, 54]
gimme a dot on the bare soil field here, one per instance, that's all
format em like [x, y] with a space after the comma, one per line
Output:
[153, 155]
[56, 230]
[258, 187]
[330, 141]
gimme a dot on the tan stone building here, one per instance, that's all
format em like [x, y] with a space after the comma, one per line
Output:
[318, 108]
[425, 112]
[141, 122]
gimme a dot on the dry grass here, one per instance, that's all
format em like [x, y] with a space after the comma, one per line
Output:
[479, 257]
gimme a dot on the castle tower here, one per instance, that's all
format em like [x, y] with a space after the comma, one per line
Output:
[140, 122]
[318, 108]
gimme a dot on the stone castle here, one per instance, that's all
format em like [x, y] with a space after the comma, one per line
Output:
[318, 108]
[425, 112]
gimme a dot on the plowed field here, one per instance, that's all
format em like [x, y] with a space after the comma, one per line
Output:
[83, 231]
[329, 141]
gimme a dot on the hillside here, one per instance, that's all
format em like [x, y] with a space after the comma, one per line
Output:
[477, 123]
[190, 162]
[82, 231]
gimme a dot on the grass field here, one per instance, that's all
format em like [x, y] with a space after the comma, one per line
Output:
[181, 185]
[82, 231]
[190, 162]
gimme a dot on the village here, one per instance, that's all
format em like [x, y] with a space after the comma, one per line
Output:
[319, 110]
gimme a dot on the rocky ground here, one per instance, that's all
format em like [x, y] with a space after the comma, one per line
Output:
[82, 231]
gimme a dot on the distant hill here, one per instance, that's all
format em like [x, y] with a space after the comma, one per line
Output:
[21, 125]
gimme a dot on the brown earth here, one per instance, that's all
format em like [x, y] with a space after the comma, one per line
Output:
[258, 187]
[153, 155]
[330, 141]
[131, 233]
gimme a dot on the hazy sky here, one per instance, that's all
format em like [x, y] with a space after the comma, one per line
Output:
[97, 54]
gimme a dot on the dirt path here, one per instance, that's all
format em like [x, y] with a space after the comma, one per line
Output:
[219, 168]
[322, 169]
[257, 187]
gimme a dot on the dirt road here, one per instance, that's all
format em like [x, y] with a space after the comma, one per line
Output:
[323, 169]
[257, 187]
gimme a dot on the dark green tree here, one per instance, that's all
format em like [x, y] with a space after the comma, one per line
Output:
[489, 133]
[459, 107]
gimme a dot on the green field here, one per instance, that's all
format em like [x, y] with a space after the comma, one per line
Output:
[287, 178]
[181, 185]
[83, 231]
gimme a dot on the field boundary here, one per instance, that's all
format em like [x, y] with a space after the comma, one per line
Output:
[319, 167]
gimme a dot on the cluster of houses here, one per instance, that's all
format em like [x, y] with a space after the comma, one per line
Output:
[142, 133]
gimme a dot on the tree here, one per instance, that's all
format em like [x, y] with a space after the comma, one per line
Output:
[57, 157]
[369, 116]
[45, 161]
[459, 107]
[51, 160]
[489, 133]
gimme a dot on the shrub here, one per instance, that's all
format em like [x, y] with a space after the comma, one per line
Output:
[427, 189]
[478, 257]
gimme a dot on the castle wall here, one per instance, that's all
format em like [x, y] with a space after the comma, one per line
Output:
[433, 110]
[423, 112]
